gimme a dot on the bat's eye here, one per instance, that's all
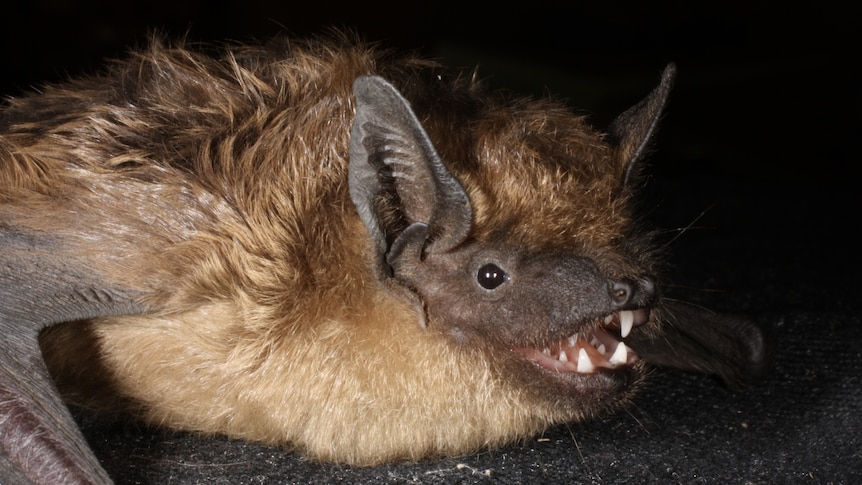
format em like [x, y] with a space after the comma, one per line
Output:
[491, 276]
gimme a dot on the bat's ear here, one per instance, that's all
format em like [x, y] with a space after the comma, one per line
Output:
[737, 350]
[632, 131]
[405, 196]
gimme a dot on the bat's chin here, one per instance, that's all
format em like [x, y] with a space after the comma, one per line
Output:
[596, 350]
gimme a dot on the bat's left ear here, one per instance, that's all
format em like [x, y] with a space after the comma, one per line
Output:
[632, 131]
[405, 195]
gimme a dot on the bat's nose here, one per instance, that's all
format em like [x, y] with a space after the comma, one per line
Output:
[627, 293]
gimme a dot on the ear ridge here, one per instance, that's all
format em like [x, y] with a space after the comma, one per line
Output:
[392, 155]
[632, 131]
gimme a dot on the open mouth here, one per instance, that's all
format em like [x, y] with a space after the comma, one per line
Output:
[598, 349]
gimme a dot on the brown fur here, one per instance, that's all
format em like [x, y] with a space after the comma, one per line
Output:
[217, 187]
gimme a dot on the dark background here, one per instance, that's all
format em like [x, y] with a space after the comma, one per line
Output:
[757, 157]
[775, 89]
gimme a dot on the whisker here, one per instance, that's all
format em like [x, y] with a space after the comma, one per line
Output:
[691, 225]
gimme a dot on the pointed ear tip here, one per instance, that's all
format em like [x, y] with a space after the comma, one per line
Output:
[668, 76]
[366, 83]
[360, 82]
[364, 78]
[373, 89]
[669, 70]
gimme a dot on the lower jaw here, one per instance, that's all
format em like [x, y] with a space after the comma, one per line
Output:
[573, 396]
[595, 352]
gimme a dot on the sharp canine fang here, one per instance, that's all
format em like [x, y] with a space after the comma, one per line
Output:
[563, 356]
[627, 320]
[585, 365]
[620, 356]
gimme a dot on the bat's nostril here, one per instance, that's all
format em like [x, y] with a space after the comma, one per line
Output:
[621, 292]
[626, 293]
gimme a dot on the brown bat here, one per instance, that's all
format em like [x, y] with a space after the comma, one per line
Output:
[329, 245]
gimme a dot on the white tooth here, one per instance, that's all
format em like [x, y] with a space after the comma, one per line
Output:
[621, 355]
[572, 340]
[627, 320]
[546, 351]
[602, 349]
[594, 342]
[609, 319]
[585, 365]
[563, 356]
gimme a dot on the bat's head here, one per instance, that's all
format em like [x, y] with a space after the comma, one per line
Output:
[513, 233]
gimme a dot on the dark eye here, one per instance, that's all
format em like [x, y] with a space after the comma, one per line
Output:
[491, 276]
